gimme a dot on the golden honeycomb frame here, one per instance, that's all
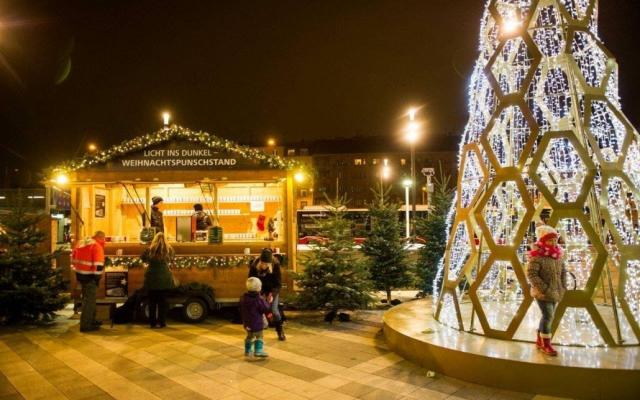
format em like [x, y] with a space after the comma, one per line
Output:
[618, 255]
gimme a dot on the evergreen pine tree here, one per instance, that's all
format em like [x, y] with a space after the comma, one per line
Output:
[388, 263]
[335, 274]
[30, 289]
[433, 228]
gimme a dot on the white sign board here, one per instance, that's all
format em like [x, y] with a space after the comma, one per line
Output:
[256, 206]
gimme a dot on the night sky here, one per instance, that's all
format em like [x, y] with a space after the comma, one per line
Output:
[76, 71]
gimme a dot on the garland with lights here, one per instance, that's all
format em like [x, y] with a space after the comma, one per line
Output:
[545, 131]
[186, 262]
[166, 134]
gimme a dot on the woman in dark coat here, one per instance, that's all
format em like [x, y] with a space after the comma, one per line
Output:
[547, 277]
[267, 269]
[158, 279]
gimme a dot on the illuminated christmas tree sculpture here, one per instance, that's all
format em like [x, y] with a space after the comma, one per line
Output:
[545, 133]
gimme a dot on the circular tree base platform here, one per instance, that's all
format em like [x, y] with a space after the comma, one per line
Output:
[577, 372]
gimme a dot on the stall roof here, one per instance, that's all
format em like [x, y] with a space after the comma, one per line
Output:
[167, 134]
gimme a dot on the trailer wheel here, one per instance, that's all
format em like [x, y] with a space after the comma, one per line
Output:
[195, 310]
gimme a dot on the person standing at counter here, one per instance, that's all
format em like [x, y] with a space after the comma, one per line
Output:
[203, 221]
[267, 269]
[158, 279]
[156, 214]
[88, 262]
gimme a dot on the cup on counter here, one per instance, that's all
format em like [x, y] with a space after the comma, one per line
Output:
[276, 250]
[119, 252]
[247, 251]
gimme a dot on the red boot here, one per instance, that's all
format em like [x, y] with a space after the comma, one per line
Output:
[539, 343]
[547, 348]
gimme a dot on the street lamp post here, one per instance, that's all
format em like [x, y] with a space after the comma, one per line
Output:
[413, 131]
[413, 188]
[407, 183]
[385, 172]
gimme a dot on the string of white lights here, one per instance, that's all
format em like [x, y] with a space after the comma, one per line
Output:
[531, 80]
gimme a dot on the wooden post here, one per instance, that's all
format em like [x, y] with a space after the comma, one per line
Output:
[147, 205]
[290, 223]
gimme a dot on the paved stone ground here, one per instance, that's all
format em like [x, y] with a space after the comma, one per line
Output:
[318, 361]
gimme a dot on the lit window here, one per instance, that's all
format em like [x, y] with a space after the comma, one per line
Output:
[403, 161]
[357, 161]
[291, 152]
[375, 161]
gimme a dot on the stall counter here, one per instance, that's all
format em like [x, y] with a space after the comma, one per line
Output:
[196, 248]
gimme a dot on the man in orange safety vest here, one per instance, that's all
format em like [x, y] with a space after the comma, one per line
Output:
[87, 260]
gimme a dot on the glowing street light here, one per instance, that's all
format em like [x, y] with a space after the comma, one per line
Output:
[166, 118]
[271, 143]
[92, 147]
[299, 177]
[61, 179]
[413, 132]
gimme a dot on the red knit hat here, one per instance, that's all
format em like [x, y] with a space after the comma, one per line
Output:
[546, 232]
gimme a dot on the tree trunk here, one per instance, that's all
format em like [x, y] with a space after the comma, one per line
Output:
[389, 296]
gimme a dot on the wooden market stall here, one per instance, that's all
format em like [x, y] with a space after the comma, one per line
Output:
[246, 192]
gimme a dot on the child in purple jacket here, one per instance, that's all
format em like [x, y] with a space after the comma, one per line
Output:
[252, 309]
